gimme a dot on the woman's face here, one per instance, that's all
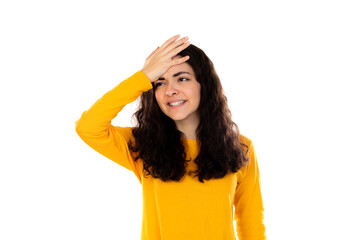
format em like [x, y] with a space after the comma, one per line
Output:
[179, 83]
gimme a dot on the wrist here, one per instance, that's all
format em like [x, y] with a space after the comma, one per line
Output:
[148, 75]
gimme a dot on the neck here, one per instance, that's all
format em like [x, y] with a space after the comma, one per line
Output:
[188, 128]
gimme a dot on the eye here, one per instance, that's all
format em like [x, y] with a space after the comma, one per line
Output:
[157, 84]
[180, 79]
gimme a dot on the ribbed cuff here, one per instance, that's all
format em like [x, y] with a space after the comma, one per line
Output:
[142, 81]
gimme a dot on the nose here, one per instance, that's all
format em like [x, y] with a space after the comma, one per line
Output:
[171, 90]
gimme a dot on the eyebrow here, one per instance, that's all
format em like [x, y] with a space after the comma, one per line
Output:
[175, 75]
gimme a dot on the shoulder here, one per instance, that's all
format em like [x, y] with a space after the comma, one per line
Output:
[245, 140]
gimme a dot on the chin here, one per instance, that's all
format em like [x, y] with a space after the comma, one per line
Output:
[177, 118]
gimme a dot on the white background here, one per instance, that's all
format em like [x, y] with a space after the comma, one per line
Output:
[290, 70]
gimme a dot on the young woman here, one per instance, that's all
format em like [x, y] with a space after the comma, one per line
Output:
[197, 172]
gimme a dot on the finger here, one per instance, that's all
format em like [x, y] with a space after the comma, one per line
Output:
[169, 41]
[176, 44]
[175, 51]
[152, 53]
[180, 60]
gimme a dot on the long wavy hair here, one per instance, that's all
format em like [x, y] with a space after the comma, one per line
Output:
[161, 145]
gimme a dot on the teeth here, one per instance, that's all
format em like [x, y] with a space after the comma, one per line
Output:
[176, 103]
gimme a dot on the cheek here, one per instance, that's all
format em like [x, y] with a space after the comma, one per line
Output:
[157, 98]
[197, 94]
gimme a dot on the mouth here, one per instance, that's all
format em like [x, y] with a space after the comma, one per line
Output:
[177, 104]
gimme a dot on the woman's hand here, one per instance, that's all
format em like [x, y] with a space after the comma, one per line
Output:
[160, 60]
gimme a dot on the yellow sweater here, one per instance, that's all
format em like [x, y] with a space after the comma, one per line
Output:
[186, 210]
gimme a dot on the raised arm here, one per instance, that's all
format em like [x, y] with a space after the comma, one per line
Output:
[94, 126]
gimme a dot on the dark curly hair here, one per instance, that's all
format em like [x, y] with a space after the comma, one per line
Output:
[160, 144]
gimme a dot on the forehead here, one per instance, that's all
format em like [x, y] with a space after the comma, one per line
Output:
[179, 67]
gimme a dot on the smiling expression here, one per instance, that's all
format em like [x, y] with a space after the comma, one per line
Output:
[179, 83]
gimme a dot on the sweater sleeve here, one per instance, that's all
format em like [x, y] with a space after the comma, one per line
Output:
[249, 211]
[95, 129]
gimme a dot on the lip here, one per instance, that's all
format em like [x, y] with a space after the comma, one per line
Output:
[177, 105]
[176, 101]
